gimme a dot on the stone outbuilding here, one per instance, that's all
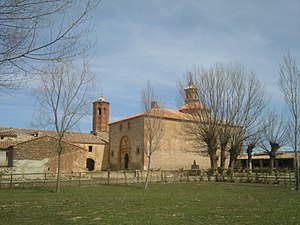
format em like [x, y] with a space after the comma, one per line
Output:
[95, 147]
[39, 155]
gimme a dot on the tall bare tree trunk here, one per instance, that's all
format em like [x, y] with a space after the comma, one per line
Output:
[59, 152]
[148, 173]
[212, 150]
[233, 157]
[58, 173]
[222, 158]
[213, 161]
[296, 167]
[297, 170]
[249, 153]
[249, 163]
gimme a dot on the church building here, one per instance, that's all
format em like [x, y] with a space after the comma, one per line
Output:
[177, 150]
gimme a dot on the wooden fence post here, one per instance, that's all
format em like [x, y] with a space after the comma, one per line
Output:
[188, 176]
[142, 176]
[108, 176]
[45, 177]
[138, 176]
[276, 177]
[125, 177]
[79, 178]
[11, 180]
[117, 176]
[181, 174]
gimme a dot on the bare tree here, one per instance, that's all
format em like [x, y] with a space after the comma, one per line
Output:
[274, 135]
[233, 99]
[62, 97]
[34, 31]
[289, 84]
[153, 124]
[202, 130]
[251, 101]
[254, 141]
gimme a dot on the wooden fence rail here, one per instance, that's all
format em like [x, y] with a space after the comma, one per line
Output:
[11, 180]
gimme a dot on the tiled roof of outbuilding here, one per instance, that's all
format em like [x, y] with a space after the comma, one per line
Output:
[72, 137]
[264, 155]
[8, 133]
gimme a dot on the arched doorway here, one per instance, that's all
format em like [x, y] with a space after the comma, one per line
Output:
[125, 151]
[90, 164]
[126, 161]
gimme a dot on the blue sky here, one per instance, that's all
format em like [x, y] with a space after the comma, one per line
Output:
[159, 40]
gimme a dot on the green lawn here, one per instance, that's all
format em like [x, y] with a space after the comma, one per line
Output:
[176, 203]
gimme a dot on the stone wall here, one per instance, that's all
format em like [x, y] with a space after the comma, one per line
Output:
[70, 162]
[29, 166]
[3, 158]
[40, 155]
[133, 131]
[99, 153]
[178, 150]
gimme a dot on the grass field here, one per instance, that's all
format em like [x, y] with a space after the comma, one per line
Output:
[174, 203]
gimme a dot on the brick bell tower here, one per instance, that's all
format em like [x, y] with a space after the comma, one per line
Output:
[100, 115]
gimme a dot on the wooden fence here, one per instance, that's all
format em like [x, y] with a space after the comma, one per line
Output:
[11, 180]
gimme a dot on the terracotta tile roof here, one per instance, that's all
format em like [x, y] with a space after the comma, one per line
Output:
[140, 114]
[166, 114]
[79, 137]
[8, 133]
[193, 105]
[73, 137]
[45, 137]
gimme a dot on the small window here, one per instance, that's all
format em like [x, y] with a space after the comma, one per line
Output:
[2, 138]
[90, 148]
[128, 126]
[121, 127]
[138, 150]
[99, 111]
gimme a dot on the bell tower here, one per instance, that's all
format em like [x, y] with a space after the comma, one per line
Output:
[100, 115]
[191, 93]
